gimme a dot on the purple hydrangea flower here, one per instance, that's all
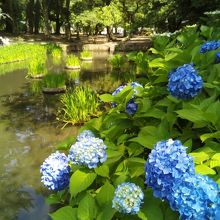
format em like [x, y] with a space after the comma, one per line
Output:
[217, 57]
[128, 198]
[55, 171]
[184, 82]
[85, 134]
[131, 107]
[166, 163]
[89, 151]
[195, 197]
[209, 45]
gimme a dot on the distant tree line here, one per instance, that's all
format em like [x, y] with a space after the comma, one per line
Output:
[91, 16]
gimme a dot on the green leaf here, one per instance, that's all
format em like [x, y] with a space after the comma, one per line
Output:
[102, 170]
[204, 170]
[199, 157]
[107, 213]
[87, 209]
[206, 136]
[66, 212]
[142, 216]
[80, 181]
[113, 156]
[193, 115]
[106, 194]
[106, 98]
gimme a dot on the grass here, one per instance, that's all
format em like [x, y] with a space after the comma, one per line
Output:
[54, 80]
[78, 106]
[72, 60]
[85, 54]
[73, 75]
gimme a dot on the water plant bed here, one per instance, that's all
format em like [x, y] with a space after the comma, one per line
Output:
[72, 67]
[13, 61]
[86, 58]
[54, 90]
[38, 76]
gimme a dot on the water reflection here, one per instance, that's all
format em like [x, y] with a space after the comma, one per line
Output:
[29, 133]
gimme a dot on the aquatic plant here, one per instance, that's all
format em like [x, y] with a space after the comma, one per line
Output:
[56, 53]
[85, 54]
[19, 52]
[78, 105]
[36, 68]
[72, 61]
[52, 48]
[54, 80]
[117, 61]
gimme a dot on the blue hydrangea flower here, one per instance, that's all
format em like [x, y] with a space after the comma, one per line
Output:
[128, 198]
[166, 163]
[119, 89]
[196, 197]
[89, 151]
[131, 107]
[55, 171]
[217, 57]
[184, 82]
[85, 134]
[209, 45]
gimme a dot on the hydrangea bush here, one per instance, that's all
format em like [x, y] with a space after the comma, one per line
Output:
[156, 154]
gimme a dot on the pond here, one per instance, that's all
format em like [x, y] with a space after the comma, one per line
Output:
[29, 133]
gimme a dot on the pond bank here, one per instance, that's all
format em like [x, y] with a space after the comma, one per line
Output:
[92, 43]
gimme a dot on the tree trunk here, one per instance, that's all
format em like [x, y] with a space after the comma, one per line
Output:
[109, 33]
[67, 20]
[45, 10]
[30, 16]
[37, 17]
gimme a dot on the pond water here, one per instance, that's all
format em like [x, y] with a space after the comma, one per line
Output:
[29, 133]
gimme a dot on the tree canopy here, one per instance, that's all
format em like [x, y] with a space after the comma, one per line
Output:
[91, 16]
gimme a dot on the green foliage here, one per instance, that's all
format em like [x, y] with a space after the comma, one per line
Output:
[54, 80]
[130, 138]
[78, 106]
[117, 61]
[72, 60]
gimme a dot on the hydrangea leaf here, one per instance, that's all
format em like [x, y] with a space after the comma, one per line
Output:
[206, 136]
[199, 157]
[107, 213]
[66, 212]
[87, 209]
[102, 170]
[80, 181]
[204, 170]
[107, 98]
[106, 194]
